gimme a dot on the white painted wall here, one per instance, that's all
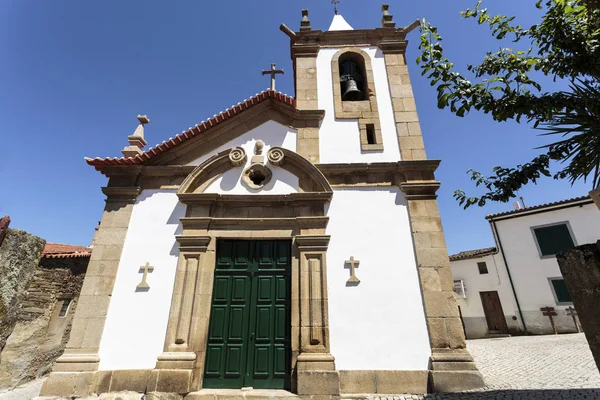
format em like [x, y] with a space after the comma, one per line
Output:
[495, 280]
[273, 134]
[136, 323]
[529, 271]
[379, 324]
[339, 140]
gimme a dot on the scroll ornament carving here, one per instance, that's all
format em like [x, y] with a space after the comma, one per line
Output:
[237, 156]
[276, 156]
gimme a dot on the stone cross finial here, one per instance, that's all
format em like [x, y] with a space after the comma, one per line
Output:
[272, 72]
[353, 280]
[136, 139]
[305, 23]
[144, 284]
[387, 19]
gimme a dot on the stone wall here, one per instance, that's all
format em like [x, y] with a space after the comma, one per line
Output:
[20, 254]
[39, 335]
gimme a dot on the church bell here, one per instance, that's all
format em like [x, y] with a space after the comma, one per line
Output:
[351, 77]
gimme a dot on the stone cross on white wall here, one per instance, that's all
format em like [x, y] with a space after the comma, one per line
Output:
[144, 284]
[353, 280]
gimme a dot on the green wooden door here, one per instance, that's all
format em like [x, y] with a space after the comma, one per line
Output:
[250, 328]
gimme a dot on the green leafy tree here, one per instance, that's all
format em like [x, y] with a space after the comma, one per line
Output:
[564, 45]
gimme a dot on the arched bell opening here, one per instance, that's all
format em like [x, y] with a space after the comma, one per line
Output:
[353, 78]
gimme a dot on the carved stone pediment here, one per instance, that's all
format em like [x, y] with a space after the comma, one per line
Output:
[310, 177]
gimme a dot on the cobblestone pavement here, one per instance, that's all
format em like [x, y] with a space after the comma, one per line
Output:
[524, 368]
[530, 368]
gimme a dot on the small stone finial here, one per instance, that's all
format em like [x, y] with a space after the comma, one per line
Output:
[136, 139]
[387, 18]
[258, 147]
[305, 23]
[258, 158]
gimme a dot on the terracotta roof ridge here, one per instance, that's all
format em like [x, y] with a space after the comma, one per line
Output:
[195, 130]
[473, 253]
[539, 206]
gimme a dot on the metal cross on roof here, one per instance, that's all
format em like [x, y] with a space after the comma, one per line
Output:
[272, 72]
[335, 5]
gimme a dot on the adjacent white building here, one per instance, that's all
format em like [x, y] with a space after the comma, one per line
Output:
[502, 289]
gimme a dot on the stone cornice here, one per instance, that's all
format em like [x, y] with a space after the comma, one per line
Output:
[420, 190]
[121, 194]
[193, 243]
[312, 242]
[340, 174]
[210, 223]
[292, 199]
[308, 43]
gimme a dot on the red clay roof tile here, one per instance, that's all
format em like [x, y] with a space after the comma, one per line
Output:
[196, 130]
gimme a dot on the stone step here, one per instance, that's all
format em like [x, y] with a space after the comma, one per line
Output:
[241, 394]
[497, 335]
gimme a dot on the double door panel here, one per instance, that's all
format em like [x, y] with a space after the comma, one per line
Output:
[249, 331]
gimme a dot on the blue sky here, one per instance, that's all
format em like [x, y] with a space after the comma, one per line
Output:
[74, 75]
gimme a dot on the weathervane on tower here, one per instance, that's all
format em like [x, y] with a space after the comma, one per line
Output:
[335, 6]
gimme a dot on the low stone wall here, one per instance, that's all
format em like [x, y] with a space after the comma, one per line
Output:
[20, 254]
[40, 334]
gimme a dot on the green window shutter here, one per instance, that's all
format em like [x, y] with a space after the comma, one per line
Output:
[560, 288]
[554, 238]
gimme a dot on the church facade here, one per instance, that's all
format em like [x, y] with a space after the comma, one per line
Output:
[286, 243]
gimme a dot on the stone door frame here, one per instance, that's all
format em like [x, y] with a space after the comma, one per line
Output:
[299, 217]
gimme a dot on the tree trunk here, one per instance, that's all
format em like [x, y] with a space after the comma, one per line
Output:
[580, 267]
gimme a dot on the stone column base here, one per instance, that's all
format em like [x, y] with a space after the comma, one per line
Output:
[68, 384]
[176, 360]
[73, 362]
[454, 371]
[316, 374]
[170, 381]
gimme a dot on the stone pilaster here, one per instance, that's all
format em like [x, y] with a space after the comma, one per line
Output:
[73, 372]
[408, 129]
[452, 367]
[307, 99]
[181, 366]
[316, 374]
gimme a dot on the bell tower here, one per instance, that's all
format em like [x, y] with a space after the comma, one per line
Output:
[371, 138]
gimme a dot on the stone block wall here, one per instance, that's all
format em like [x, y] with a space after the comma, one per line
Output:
[38, 335]
[20, 254]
